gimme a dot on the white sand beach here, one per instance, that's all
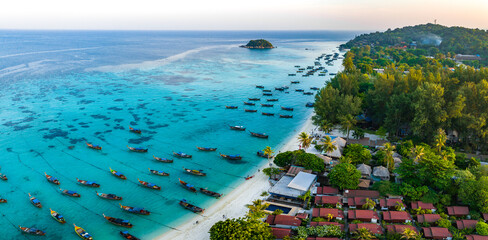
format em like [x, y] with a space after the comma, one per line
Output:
[232, 205]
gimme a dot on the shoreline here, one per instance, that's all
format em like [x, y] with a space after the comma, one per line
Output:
[233, 205]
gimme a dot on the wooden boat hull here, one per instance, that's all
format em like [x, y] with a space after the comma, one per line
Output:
[187, 186]
[286, 108]
[259, 135]
[131, 210]
[93, 146]
[164, 160]
[54, 214]
[138, 150]
[159, 173]
[195, 172]
[231, 107]
[286, 116]
[181, 155]
[109, 196]
[118, 222]
[52, 179]
[191, 207]
[210, 193]
[250, 110]
[117, 174]
[207, 149]
[267, 114]
[32, 231]
[231, 157]
[86, 183]
[238, 128]
[82, 233]
[148, 185]
[127, 235]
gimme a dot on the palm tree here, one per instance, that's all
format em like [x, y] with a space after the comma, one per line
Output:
[390, 163]
[417, 153]
[256, 210]
[268, 152]
[306, 197]
[409, 234]
[440, 139]
[399, 206]
[369, 204]
[347, 122]
[305, 140]
[363, 234]
[277, 212]
[325, 126]
[330, 217]
[328, 145]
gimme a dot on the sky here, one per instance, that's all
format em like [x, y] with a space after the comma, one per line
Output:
[239, 15]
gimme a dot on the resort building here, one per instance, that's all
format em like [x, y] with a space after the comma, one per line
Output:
[283, 221]
[422, 205]
[476, 237]
[326, 212]
[356, 202]
[396, 217]
[458, 211]
[280, 233]
[428, 218]
[399, 229]
[362, 193]
[294, 170]
[291, 187]
[391, 204]
[437, 233]
[373, 228]
[466, 223]
[322, 238]
[329, 200]
[327, 190]
[363, 215]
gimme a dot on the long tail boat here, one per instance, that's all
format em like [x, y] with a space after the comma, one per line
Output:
[231, 107]
[3, 200]
[109, 196]
[250, 110]
[259, 86]
[266, 105]
[32, 231]
[35, 201]
[149, 185]
[82, 233]
[280, 88]
[261, 154]
[3, 177]
[58, 217]
[231, 157]
[272, 100]
[308, 93]
[249, 103]
[118, 221]
[249, 177]
[135, 210]
[287, 108]
[295, 82]
[314, 88]
[181, 155]
[286, 116]
[51, 179]
[165, 160]
[238, 128]
[191, 207]
[206, 149]
[138, 131]
[195, 172]
[127, 235]
[259, 135]
[187, 186]
[210, 193]
[137, 149]
[299, 90]
[88, 183]
[266, 90]
[70, 193]
[253, 99]
[96, 147]
[160, 173]
[267, 114]
[117, 174]
[309, 104]
[267, 94]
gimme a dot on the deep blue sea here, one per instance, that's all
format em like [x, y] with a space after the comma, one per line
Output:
[63, 88]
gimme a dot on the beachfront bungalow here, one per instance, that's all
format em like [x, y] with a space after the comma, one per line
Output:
[422, 205]
[458, 211]
[356, 202]
[363, 215]
[373, 228]
[335, 201]
[476, 237]
[391, 204]
[428, 218]
[364, 183]
[280, 233]
[466, 223]
[485, 216]
[371, 194]
[365, 170]
[381, 173]
[326, 212]
[294, 170]
[437, 233]
[322, 238]
[396, 217]
[291, 187]
[283, 221]
[399, 229]
[327, 190]
[314, 224]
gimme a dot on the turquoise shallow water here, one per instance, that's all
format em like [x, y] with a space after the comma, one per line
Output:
[48, 111]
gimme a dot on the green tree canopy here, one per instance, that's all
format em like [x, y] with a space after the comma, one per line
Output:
[241, 228]
[344, 176]
[357, 153]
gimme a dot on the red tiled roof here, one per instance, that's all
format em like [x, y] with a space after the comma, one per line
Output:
[436, 232]
[280, 233]
[324, 212]
[322, 238]
[327, 190]
[362, 214]
[326, 224]
[465, 223]
[374, 228]
[391, 216]
[390, 202]
[416, 205]
[457, 211]
[399, 228]
[476, 237]
[283, 220]
[302, 215]
[361, 193]
[356, 201]
[327, 200]
[428, 218]
[485, 216]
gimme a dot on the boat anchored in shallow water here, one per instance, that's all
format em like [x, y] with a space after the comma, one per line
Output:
[195, 172]
[69, 193]
[238, 128]
[138, 131]
[210, 193]
[32, 231]
[149, 185]
[127, 235]
[159, 173]
[117, 174]
[82, 233]
[118, 221]
[191, 207]
[187, 186]
[135, 210]
[51, 179]
[137, 149]
[165, 160]
[88, 183]
[259, 135]
[58, 217]
[231, 157]
[206, 149]
[109, 196]
[181, 155]
[96, 147]
[35, 201]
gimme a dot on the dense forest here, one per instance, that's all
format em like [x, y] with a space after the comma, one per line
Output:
[432, 38]
[409, 95]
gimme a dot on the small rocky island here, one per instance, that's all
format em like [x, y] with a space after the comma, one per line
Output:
[258, 44]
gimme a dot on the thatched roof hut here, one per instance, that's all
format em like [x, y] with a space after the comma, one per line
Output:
[381, 172]
[365, 170]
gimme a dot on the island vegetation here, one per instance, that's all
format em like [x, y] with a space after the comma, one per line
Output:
[258, 44]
